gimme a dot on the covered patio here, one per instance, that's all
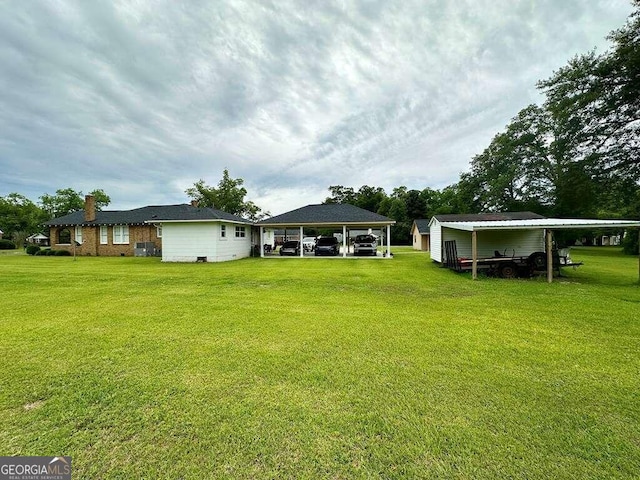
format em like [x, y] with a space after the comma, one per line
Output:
[343, 217]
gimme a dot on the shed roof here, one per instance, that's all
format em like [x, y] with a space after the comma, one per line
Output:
[328, 214]
[422, 225]
[153, 214]
[487, 217]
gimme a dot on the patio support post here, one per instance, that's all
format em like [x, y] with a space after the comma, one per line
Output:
[261, 242]
[474, 255]
[344, 241]
[388, 241]
[549, 257]
[301, 246]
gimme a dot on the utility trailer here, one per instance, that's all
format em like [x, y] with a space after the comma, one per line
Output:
[507, 266]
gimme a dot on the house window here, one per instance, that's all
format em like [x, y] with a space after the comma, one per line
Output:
[104, 235]
[121, 234]
[223, 231]
[159, 231]
[64, 237]
[79, 234]
[240, 232]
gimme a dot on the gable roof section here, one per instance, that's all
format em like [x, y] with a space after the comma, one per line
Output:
[328, 214]
[422, 225]
[150, 214]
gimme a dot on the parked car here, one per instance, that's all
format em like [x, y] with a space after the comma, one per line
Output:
[290, 248]
[327, 246]
[365, 244]
[309, 244]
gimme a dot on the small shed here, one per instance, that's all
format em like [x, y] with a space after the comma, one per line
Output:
[455, 227]
[421, 235]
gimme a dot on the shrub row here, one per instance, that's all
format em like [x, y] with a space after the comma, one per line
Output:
[6, 244]
[48, 252]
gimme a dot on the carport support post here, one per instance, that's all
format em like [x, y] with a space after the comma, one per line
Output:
[388, 241]
[301, 246]
[344, 241]
[261, 242]
[474, 255]
[549, 257]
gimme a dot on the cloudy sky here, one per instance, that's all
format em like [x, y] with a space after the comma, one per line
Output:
[143, 98]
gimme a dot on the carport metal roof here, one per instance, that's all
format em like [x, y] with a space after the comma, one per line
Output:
[548, 224]
[537, 223]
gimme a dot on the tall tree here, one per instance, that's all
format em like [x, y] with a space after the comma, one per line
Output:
[229, 196]
[67, 200]
[595, 101]
[19, 215]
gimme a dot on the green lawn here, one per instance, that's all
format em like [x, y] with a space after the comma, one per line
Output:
[320, 368]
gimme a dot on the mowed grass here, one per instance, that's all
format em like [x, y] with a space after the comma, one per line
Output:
[320, 368]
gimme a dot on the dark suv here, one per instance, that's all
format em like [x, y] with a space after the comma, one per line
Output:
[327, 246]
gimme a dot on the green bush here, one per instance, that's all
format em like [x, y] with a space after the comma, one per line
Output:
[630, 242]
[51, 252]
[6, 244]
[32, 249]
[42, 253]
[62, 253]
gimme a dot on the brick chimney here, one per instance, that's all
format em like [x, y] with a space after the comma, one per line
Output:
[89, 208]
[194, 203]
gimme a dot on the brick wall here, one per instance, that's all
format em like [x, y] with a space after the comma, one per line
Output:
[91, 245]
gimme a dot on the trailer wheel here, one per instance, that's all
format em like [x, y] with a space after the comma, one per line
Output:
[508, 270]
[537, 260]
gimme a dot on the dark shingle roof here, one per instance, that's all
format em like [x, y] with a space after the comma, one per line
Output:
[139, 216]
[329, 214]
[488, 217]
[422, 225]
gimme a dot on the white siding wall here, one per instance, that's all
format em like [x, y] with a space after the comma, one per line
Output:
[518, 243]
[232, 248]
[435, 231]
[185, 242]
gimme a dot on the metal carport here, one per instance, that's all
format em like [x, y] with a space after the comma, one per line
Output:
[329, 216]
[546, 224]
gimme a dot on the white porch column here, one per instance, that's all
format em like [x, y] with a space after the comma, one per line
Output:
[549, 257]
[301, 246]
[261, 241]
[344, 241]
[388, 241]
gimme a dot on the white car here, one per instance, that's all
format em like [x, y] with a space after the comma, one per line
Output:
[365, 244]
[309, 244]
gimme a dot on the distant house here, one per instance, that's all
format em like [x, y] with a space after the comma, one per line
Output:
[176, 232]
[420, 234]
[1, 233]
